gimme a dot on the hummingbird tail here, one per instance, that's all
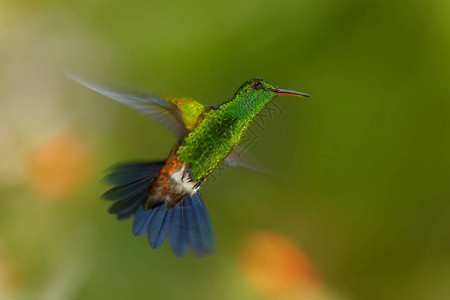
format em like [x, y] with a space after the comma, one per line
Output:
[187, 224]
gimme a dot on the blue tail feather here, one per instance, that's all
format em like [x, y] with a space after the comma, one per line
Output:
[204, 236]
[178, 237]
[193, 230]
[187, 225]
[159, 227]
[155, 225]
[141, 221]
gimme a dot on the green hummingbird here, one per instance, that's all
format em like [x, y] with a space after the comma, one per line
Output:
[164, 196]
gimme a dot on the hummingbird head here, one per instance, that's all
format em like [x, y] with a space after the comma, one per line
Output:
[254, 95]
[262, 89]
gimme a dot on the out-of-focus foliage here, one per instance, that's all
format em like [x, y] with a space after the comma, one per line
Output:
[358, 207]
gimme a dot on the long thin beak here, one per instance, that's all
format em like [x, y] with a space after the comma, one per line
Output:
[288, 92]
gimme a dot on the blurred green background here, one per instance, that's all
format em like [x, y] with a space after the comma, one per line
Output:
[360, 195]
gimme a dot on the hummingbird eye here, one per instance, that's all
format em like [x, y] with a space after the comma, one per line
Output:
[258, 85]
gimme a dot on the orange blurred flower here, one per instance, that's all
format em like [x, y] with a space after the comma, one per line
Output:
[276, 268]
[59, 166]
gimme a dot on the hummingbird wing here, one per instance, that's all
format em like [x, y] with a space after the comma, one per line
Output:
[169, 114]
[236, 158]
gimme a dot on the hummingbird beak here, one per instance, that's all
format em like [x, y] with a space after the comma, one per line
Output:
[288, 92]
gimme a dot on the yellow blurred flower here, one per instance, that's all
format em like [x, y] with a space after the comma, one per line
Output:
[59, 166]
[276, 268]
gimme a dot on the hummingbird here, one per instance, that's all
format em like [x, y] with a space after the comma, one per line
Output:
[164, 196]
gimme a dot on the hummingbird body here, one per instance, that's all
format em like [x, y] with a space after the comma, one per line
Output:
[165, 196]
[215, 134]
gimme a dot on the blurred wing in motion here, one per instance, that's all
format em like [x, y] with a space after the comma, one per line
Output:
[236, 159]
[177, 114]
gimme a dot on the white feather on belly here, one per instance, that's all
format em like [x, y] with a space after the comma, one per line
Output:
[182, 181]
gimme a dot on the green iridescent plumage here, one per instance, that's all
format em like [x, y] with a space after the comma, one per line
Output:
[222, 128]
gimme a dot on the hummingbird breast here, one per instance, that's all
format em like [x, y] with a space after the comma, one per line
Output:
[210, 143]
